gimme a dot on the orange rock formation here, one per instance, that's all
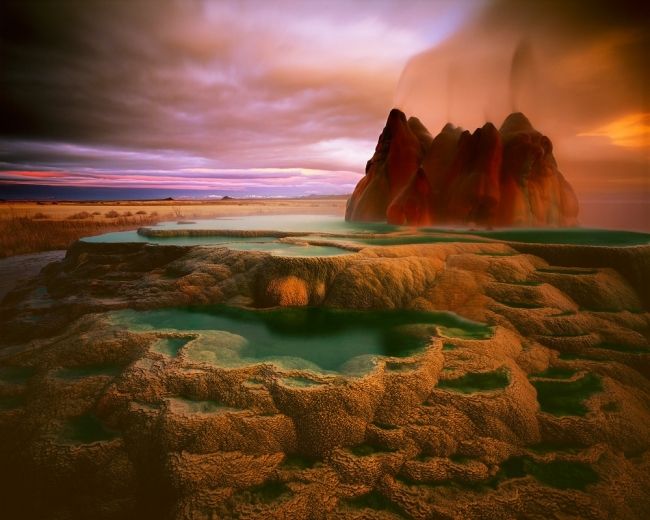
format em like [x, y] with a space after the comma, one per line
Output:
[505, 177]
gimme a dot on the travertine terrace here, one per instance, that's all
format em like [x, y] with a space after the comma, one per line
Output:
[544, 416]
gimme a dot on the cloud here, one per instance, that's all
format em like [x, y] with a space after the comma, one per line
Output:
[149, 91]
[218, 84]
[579, 70]
[629, 131]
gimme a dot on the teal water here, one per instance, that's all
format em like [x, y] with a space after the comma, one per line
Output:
[365, 450]
[476, 382]
[88, 371]
[576, 271]
[579, 236]
[623, 348]
[415, 239]
[266, 493]
[328, 224]
[319, 339]
[11, 402]
[567, 398]
[86, 429]
[559, 474]
[294, 223]
[374, 500]
[169, 346]
[267, 244]
[290, 223]
[299, 462]
[16, 375]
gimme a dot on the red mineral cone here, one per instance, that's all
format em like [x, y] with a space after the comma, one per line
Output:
[506, 177]
[397, 156]
[414, 205]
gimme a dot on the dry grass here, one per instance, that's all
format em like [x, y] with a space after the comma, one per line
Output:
[82, 215]
[29, 227]
[20, 235]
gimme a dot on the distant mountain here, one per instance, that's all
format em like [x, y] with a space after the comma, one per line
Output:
[504, 177]
[74, 193]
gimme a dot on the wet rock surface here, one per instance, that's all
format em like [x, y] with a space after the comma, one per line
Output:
[18, 268]
[541, 410]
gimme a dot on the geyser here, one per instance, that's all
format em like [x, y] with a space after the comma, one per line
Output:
[505, 177]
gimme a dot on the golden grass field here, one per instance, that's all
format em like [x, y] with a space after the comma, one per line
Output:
[29, 227]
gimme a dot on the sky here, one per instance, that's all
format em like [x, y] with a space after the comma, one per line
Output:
[267, 98]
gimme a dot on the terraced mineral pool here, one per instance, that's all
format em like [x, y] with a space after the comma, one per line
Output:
[365, 450]
[576, 236]
[627, 349]
[189, 234]
[266, 493]
[15, 375]
[88, 371]
[476, 382]
[567, 397]
[319, 339]
[567, 271]
[374, 500]
[307, 224]
[415, 239]
[86, 429]
[550, 447]
[267, 244]
[559, 474]
[11, 402]
[170, 346]
[300, 462]
[292, 223]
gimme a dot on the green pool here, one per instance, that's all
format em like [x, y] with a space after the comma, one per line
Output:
[319, 339]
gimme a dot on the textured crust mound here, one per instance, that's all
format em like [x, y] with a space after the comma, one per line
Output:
[505, 177]
[547, 417]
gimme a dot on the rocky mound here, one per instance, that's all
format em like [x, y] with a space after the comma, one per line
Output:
[545, 417]
[506, 177]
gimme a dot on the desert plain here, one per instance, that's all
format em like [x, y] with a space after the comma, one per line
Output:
[32, 226]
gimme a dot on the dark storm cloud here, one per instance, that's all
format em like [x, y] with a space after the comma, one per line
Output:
[198, 88]
[234, 84]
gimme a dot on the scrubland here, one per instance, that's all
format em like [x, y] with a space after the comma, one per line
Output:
[29, 227]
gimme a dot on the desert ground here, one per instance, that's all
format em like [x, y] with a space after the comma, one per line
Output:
[28, 227]
[412, 374]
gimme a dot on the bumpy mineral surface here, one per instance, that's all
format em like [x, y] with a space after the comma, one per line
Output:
[531, 400]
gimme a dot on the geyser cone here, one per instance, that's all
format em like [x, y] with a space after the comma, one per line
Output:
[505, 177]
